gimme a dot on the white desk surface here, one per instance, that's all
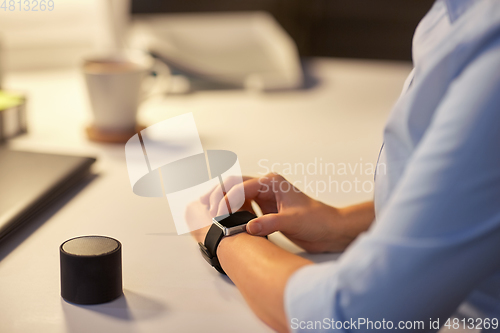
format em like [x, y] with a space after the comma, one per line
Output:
[168, 287]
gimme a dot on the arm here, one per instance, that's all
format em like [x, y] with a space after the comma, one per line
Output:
[260, 270]
[433, 242]
[435, 239]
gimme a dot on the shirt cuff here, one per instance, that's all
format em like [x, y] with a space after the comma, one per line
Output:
[309, 298]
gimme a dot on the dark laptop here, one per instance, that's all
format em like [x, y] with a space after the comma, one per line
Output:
[29, 182]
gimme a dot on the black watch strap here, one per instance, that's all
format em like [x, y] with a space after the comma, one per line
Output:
[209, 249]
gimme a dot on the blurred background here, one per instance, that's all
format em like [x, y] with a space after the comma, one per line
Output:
[290, 86]
[372, 29]
[328, 69]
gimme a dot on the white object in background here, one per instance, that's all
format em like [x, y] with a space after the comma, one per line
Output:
[249, 49]
[61, 37]
[115, 95]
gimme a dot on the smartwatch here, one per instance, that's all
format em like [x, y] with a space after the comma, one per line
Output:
[223, 226]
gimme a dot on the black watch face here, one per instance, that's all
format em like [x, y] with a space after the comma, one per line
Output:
[235, 219]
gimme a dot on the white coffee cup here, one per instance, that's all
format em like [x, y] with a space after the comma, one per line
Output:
[115, 85]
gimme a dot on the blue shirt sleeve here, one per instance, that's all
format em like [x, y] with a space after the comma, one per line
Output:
[437, 237]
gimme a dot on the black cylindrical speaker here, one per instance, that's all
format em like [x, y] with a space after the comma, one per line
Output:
[91, 269]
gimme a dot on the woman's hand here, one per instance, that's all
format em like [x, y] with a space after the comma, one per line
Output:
[311, 224]
[249, 262]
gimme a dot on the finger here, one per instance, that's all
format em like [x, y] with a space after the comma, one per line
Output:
[265, 225]
[235, 198]
[248, 207]
[263, 191]
[217, 196]
[205, 198]
[269, 196]
[253, 189]
[282, 188]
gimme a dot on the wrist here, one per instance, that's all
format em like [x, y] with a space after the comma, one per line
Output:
[230, 240]
[236, 244]
[337, 227]
[230, 243]
[340, 232]
[356, 219]
[223, 226]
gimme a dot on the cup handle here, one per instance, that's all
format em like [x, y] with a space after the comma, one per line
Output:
[157, 82]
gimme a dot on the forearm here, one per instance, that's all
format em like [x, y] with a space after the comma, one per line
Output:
[340, 226]
[260, 270]
[358, 218]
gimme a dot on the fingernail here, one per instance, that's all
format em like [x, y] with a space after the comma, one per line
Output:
[254, 227]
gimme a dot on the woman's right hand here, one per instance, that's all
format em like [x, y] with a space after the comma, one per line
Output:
[311, 224]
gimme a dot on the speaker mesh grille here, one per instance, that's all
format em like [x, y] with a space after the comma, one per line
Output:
[90, 246]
